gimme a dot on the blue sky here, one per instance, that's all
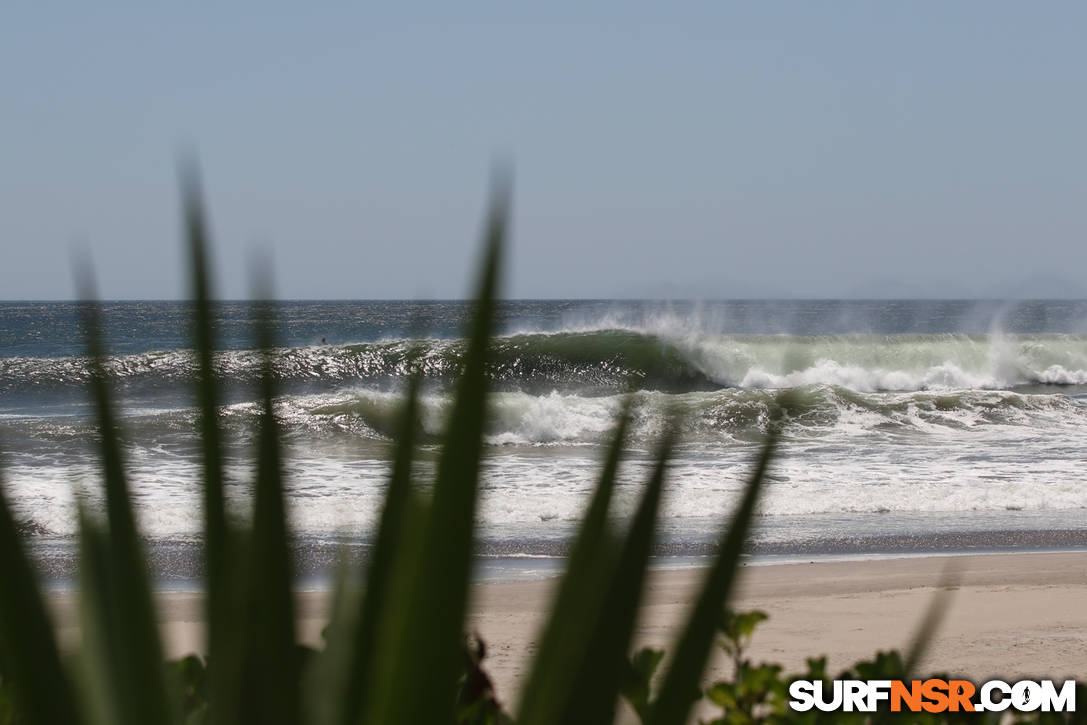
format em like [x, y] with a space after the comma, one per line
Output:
[685, 150]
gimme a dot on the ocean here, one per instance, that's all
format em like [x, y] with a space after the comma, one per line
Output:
[917, 427]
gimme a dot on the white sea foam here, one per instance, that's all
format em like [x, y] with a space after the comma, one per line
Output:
[714, 417]
[901, 424]
[889, 362]
[845, 454]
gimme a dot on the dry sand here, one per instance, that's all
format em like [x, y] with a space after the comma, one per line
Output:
[1011, 615]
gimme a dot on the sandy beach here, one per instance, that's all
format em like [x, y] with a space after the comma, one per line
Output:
[1011, 615]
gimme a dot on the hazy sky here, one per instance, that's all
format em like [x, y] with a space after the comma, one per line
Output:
[716, 149]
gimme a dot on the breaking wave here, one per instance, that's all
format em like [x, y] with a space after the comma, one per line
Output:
[719, 416]
[608, 361]
[724, 416]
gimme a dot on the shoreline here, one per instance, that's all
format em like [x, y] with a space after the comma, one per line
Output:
[177, 563]
[1011, 615]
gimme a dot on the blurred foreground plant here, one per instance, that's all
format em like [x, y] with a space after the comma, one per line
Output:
[396, 651]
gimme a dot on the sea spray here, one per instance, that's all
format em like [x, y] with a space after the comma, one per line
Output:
[917, 416]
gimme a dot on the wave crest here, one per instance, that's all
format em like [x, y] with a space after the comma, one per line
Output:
[608, 361]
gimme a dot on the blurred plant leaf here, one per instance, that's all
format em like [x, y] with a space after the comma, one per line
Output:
[637, 686]
[216, 543]
[123, 589]
[680, 688]
[575, 609]
[421, 646]
[339, 683]
[31, 673]
[223, 595]
[271, 660]
[934, 616]
[604, 663]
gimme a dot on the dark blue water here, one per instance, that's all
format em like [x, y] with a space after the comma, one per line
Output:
[52, 329]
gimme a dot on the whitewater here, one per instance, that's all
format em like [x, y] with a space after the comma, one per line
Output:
[912, 424]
